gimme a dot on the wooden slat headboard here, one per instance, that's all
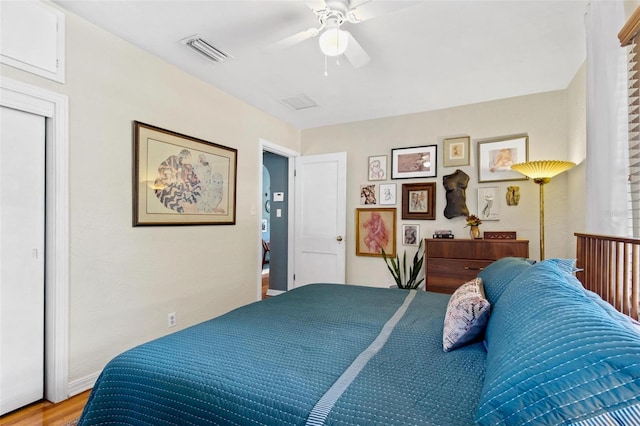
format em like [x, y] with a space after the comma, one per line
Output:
[610, 266]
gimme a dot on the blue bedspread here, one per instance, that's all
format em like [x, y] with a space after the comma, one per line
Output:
[271, 362]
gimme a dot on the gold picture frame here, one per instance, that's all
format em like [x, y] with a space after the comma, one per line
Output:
[456, 151]
[375, 230]
[181, 180]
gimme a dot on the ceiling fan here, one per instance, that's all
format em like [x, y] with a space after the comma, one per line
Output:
[331, 14]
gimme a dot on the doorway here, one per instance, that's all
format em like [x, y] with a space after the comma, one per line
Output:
[284, 236]
[275, 221]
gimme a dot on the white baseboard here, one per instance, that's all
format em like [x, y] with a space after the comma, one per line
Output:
[271, 292]
[83, 384]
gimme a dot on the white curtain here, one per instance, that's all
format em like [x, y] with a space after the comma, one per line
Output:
[607, 147]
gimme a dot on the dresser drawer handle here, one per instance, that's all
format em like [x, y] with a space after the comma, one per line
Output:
[471, 268]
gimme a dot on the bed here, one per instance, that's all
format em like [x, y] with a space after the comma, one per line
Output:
[336, 354]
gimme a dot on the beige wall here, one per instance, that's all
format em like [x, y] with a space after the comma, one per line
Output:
[124, 280]
[544, 117]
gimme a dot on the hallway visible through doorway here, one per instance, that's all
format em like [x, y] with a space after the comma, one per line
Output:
[275, 220]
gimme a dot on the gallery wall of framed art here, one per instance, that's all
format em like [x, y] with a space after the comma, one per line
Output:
[417, 199]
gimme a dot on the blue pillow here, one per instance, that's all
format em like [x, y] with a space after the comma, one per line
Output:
[555, 356]
[567, 265]
[497, 276]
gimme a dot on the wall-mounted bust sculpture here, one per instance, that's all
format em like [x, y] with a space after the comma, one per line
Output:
[456, 184]
[513, 195]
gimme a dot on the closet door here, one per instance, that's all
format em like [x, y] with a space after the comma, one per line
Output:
[22, 148]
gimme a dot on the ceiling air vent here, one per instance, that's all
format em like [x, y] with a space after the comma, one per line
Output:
[206, 49]
[299, 102]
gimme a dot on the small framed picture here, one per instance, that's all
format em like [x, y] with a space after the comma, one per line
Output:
[378, 167]
[496, 156]
[264, 225]
[414, 162]
[387, 194]
[376, 230]
[419, 201]
[456, 152]
[368, 194]
[488, 203]
[410, 235]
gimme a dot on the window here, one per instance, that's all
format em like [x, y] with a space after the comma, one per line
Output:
[629, 38]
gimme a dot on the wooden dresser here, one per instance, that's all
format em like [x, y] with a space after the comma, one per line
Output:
[450, 263]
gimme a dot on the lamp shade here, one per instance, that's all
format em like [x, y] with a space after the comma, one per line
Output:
[542, 169]
[333, 41]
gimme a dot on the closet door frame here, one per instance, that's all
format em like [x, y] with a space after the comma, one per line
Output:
[55, 108]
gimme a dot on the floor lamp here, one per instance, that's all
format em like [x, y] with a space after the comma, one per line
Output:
[541, 172]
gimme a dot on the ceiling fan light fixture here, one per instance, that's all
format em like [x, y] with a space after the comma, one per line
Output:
[333, 41]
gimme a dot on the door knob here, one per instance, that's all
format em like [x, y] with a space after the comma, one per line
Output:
[339, 238]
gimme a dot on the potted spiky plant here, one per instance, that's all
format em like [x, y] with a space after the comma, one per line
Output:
[402, 279]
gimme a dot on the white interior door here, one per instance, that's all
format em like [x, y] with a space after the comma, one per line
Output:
[22, 200]
[320, 218]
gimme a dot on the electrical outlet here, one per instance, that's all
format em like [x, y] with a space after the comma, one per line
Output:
[171, 320]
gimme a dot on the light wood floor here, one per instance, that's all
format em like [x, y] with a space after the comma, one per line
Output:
[265, 283]
[45, 413]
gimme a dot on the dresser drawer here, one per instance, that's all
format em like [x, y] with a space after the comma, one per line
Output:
[450, 263]
[446, 275]
[476, 249]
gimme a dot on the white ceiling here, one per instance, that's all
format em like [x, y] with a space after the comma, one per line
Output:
[427, 55]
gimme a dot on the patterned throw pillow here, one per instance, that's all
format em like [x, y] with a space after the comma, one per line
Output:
[467, 315]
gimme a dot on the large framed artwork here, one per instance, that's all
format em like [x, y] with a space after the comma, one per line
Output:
[414, 162]
[375, 230]
[181, 180]
[456, 152]
[495, 157]
[419, 201]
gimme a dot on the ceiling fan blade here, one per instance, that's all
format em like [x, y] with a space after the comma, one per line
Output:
[372, 9]
[355, 53]
[316, 5]
[294, 39]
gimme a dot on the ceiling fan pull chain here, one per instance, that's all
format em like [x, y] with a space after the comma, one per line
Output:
[325, 66]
